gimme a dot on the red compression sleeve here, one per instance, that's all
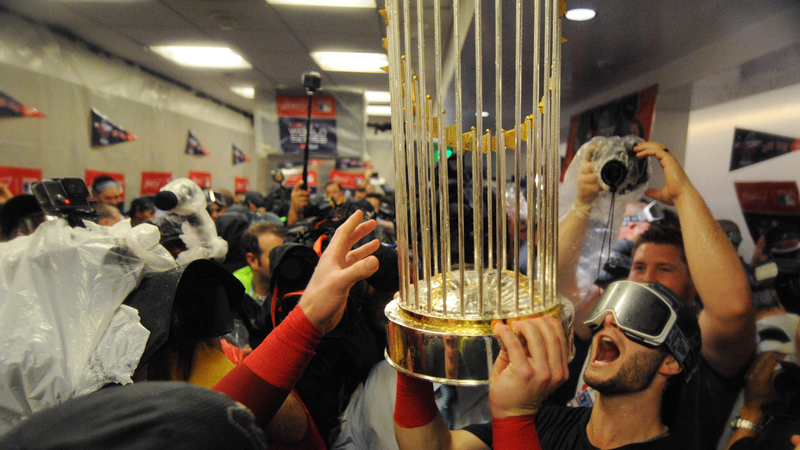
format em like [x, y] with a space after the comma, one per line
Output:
[265, 378]
[285, 353]
[515, 433]
[416, 404]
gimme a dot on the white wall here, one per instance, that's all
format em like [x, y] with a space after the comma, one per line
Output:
[64, 80]
[709, 143]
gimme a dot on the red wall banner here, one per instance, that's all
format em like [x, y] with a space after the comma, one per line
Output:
[346, 180]
[292, 180]
[90, 175]
[152, 182]
[241, 185]
[768, 204]
[19, 179]
[203, 179]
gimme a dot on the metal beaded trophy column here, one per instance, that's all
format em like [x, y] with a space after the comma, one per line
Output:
[440, 326]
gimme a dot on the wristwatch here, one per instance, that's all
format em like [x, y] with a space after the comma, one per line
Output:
[738, 422]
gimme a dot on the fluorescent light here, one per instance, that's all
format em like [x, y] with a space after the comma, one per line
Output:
[333, 3]
[208, 57]
[245, 91]
[581, 14]
[350, 62]
[377, 96]
[379, 110]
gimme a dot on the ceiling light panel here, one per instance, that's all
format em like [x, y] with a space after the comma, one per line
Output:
[377, 96]
[204, 57]
[245, 91]
[581, 14]
[327, 3]
[379, 110]
[350, 62]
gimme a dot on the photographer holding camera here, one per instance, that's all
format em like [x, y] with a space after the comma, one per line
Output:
[699, 262]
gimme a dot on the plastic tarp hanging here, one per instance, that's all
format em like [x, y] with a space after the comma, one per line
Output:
[63, 331]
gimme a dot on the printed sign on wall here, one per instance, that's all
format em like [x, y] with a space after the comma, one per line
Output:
[19, 179]
[346, 180]
[203, 179]
[293, 179]
[292, 120]
[152, 182]
[768, 204]
[241, 185]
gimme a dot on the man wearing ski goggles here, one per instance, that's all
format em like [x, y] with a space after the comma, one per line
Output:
[648, 314]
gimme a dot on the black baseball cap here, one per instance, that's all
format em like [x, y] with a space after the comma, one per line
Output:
[143, 416]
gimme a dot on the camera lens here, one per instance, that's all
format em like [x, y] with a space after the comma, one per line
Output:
[613, 173]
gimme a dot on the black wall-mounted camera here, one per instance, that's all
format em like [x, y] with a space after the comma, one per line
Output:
[312, 81]
[65, 197]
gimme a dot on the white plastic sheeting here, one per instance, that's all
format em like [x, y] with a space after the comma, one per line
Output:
[60, 290]
[601, 235]
[199, 231]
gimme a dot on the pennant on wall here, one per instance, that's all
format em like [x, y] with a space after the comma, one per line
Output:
[193, 146]
[10, 107]
[751, 147]
[239, 156]
[105, 132]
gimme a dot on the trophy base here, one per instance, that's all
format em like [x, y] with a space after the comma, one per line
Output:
[452, 351]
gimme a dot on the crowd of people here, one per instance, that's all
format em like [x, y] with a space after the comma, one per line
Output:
[677, 343]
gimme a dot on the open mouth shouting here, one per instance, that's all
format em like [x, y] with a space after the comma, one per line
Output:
[606, 351]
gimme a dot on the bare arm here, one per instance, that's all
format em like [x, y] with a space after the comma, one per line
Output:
[290, 423]
[572, 230]
[727, 321]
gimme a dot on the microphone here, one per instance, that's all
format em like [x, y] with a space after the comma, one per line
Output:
[166, 200]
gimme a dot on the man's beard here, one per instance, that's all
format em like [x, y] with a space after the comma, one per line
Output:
[634, 376]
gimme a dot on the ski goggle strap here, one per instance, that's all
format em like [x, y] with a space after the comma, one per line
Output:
[651, 213]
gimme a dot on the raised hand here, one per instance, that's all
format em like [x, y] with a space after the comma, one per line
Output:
[339, 268]
[588, 185]
[299, 197]
[676, 180]
[531, 365]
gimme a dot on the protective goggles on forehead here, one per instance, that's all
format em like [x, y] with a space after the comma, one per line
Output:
[643, 313]
[651, 213]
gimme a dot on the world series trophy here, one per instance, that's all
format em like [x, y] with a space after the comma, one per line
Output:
[460, 233]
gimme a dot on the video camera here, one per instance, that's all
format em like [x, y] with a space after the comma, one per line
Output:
[65, 197]
[616, 164]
